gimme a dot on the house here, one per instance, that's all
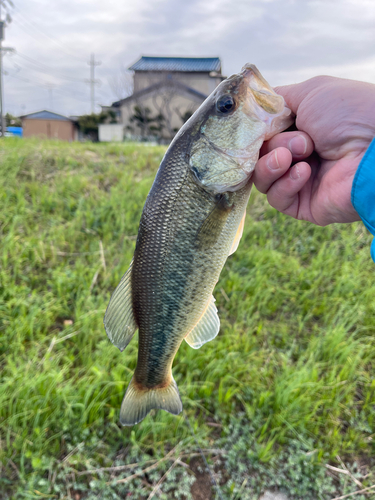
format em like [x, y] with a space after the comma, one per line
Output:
[167, 91]
[49, 125]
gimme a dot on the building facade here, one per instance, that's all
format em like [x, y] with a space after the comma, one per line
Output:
[49, 125]
[167, 91]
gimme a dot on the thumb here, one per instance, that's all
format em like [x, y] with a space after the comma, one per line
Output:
[294, 94]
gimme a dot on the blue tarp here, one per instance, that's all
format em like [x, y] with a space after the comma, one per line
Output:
[14, 131]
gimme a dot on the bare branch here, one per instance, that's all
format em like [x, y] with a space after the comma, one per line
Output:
[119, 468]
[147, 469]
[102, 258]
[121, 84]
[93, 282]
[358, 483]
[159, 483]
[354, 493]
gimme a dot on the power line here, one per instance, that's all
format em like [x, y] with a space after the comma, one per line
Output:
[43, 68]
[17, 77]
[18, 68]
[78, 97]
[67, 49]
[33, 30]
[37, 28]
[22, 26]
[72, 94]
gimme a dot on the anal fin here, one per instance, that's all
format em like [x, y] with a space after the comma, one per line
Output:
[207, 327]
[119, 321]
[238, 236]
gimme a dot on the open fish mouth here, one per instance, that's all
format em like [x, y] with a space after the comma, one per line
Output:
[245, 112]
[263, 102]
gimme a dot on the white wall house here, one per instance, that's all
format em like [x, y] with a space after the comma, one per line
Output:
[167, 90]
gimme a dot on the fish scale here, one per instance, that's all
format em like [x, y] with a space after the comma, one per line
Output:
[192, 220]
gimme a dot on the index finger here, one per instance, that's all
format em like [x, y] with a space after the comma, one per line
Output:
[299, 144]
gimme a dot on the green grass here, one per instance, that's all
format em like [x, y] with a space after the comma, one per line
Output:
[289, 381]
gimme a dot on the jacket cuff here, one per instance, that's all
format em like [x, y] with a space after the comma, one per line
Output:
[363, 192]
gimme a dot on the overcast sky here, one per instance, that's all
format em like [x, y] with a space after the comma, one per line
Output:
[289, 41]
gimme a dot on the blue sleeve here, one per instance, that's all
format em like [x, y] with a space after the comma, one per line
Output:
[363, 192]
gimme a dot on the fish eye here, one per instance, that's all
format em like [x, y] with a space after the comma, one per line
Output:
[225, 104]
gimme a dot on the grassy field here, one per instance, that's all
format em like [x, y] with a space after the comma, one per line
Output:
[286, 388]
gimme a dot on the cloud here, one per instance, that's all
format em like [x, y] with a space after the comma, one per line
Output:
[288, 40]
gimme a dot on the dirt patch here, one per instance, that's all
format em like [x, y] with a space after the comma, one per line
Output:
[202, 488]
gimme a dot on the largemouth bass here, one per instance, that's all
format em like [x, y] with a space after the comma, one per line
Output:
[192, 220]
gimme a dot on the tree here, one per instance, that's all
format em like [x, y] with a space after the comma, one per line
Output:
[89, 124]
[12, 121]
[167, 104]
[148, 124]
[185, 116]
[162, 102]
[121, 84]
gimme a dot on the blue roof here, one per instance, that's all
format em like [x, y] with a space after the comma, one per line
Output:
[199, 64]
[46, 115]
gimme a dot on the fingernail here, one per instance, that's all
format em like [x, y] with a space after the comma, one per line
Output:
[273, 162]
[298, 145]
[294, 173]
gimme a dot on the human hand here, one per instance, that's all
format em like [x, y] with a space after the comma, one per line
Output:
[335, 119]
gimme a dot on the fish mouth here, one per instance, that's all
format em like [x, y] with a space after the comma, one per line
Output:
[263, 102]
[259, 113]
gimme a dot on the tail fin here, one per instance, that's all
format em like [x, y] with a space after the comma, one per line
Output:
[138, 402]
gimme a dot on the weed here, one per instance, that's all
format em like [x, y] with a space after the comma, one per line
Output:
[288, 382]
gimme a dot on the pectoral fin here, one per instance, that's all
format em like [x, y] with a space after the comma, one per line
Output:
[207, 328]
[119, 321]
[238, 236]
[212, 226]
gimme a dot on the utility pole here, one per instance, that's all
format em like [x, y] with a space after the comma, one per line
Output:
[2, 121]
[92, 63]
[2, 50]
